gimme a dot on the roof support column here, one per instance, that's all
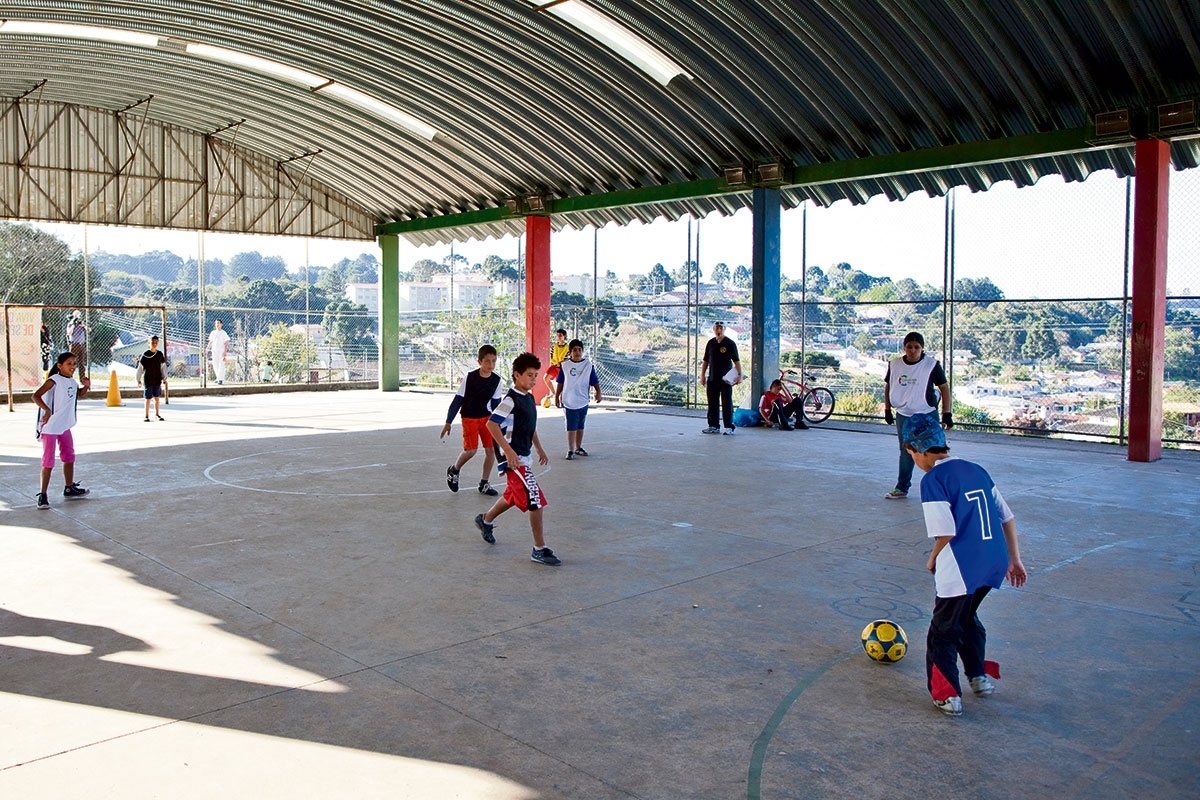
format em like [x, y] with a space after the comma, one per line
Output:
[764, 299]
[389, 314]
[537, 294]
[1146, 341]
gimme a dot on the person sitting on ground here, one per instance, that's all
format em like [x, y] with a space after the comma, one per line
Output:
[776, 410]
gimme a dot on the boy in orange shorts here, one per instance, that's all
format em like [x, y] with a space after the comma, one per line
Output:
[522, 490]
[478, 393]
[558, 351]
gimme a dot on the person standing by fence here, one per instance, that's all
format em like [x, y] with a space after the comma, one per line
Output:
[909, 392]
[218, 348]
[77, 341]
[720, 358]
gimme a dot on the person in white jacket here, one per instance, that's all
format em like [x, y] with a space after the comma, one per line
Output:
[218, 348]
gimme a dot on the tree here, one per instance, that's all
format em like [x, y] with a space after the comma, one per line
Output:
[214, 272]
[255, 267]
[864, 342]
[654, 388]
[721, 274]
[686, 273]
[741, 277]
[817, 281]
[659, 280]
[290, 353]
[977, 289]
[496, 268]
[349, 326]
[424, 270]
[1039, 344]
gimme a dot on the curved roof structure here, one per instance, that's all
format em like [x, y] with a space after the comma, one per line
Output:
[427, 108]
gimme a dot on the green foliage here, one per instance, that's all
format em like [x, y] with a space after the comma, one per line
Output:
[657, 388]
[859, 404]
[813, 359]
[256, 267]
[970, 415]
[721, 274]
[432, 381]
[864, 342]
[659, 280]
[291, 353]
[348, 326]
[741, 277]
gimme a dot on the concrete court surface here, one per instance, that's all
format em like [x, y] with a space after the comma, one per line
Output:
[276, 596]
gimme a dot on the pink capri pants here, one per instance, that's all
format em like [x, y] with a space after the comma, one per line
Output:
[66, 448]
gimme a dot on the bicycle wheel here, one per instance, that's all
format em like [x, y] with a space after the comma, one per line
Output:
[818, 404]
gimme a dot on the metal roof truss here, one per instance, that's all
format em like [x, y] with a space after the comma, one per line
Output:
[68, 163]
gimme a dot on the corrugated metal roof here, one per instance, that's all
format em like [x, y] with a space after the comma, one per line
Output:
[524, 102]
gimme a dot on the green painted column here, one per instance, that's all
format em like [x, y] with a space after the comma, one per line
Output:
[389, 314]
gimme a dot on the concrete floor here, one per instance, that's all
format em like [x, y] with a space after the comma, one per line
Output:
[276, 596]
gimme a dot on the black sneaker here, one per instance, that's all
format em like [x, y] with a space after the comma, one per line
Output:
[75, 490]
[485, 529]
[801, 425]
[545, 556]
[485, 488]
[579, 451]
[570, 455]
[452, 478]
[42, 500]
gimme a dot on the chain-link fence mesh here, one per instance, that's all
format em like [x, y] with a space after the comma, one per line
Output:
[1028, 312]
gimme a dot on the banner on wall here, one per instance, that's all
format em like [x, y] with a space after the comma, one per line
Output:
[21, 333]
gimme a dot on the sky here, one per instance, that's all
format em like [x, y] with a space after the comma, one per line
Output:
[1050, 240]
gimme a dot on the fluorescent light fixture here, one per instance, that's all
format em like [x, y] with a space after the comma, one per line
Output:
[379, 109]
[616, 37]
[255, 64]
[114, 35]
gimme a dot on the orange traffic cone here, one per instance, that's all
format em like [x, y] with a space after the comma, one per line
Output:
[114, 392]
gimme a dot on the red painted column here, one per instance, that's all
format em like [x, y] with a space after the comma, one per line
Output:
[1149, 306]
[537, 294]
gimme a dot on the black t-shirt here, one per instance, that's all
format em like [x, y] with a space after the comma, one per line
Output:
[153, 364]
[720, 357]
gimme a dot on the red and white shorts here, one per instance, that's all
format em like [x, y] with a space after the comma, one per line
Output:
[522, 490]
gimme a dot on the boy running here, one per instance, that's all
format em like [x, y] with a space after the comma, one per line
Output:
[575, 376]
[558, 351]
[477, 395]
[962, 509]
[522, 490]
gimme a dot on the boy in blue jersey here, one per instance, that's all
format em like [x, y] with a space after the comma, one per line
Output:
[522, 490]
[963, 509]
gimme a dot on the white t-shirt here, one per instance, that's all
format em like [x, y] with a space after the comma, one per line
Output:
[217, 340]
[61, 400]
[908, 384]
[577, 378]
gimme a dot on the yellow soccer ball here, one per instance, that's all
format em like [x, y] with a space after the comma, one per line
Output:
[884, 641]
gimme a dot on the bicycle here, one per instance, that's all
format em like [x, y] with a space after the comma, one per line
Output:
[817, 402]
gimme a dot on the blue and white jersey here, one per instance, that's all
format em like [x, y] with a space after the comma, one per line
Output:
[961, 501]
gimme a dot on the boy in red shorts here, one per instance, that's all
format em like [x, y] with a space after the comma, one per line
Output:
[478, 394]
[522, 490]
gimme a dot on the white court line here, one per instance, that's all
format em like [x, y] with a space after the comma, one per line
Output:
[217, 544]
[208, 474]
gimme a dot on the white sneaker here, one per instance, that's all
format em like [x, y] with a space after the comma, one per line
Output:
[982, 686]
[729, 431]
[951, 706]
[710, 430]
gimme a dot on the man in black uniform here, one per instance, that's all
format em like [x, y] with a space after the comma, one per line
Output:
[720, 356]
